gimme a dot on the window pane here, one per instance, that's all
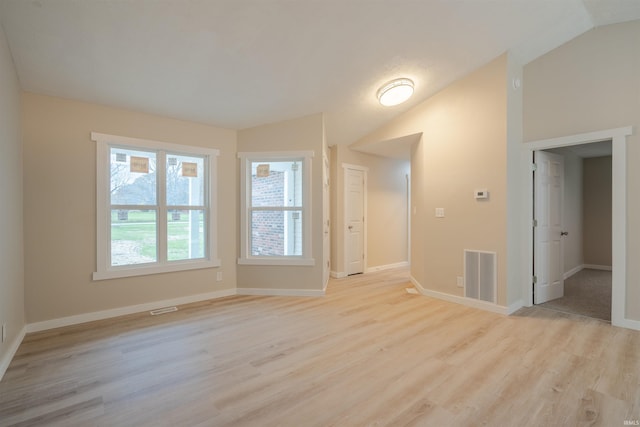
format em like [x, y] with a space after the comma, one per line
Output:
[185, 234]
[132, 176]
[276, 233]
[133, 237]
[185, 180]
[276, 183]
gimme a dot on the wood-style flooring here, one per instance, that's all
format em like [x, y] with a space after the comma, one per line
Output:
[368, 353]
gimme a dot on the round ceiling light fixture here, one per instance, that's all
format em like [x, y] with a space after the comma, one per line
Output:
[395, 92]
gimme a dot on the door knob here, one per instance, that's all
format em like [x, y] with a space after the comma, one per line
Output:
[351, 227]
[564, 233]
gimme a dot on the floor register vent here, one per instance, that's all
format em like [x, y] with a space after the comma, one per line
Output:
[480, 275]
[163, 310]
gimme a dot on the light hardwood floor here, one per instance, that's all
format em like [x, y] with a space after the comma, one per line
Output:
[366, 354]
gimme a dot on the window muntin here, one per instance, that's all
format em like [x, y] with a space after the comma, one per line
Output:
[276, 208]
[154, 207]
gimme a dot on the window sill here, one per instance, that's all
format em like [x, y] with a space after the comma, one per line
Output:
[143, 271]
[277, 261]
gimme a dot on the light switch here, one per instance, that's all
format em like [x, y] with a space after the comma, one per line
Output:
[481, 194]
[439, 212]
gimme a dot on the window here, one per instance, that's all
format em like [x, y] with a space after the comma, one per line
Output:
[154, 207]
[276, 208]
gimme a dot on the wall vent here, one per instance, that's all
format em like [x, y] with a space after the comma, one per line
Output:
[480, 275]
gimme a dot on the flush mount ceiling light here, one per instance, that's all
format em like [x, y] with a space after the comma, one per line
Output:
[395, 92]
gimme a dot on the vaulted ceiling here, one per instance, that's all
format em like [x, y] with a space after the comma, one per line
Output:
[242, 63]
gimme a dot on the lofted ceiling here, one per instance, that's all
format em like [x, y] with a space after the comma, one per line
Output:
[242, 63]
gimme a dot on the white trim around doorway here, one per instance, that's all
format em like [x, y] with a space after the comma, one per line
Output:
[618, 136]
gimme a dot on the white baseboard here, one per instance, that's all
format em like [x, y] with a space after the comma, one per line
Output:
[597, 267]
[8, 356]
[281, 292]
[470, 302]
[402, 264]
[512, 308]
[338, 274]
[131, 309]
[579, 268]
[573, 271]
[631, 324]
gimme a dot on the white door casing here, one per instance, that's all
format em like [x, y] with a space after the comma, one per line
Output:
[549, 257]
[618, 136]
[354, 220]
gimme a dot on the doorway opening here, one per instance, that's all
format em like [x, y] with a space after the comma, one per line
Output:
[618, 138]
[584, 258]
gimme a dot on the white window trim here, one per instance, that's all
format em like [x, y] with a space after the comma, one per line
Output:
[103, 269]
[274, 156]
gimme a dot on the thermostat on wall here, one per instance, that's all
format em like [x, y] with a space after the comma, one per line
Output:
[481, 194]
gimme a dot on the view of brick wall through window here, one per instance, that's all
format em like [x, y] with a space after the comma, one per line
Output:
[267, 237]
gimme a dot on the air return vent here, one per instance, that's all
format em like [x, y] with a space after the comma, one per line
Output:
[480, 269]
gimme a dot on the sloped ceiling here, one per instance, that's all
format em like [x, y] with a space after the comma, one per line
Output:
[242, 63]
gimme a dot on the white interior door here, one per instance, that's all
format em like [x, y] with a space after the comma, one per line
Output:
[354, 220]
[548, 254]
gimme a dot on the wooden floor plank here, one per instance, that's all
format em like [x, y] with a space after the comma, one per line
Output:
[366, 354]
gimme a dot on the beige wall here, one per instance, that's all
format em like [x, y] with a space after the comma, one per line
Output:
[597, 211]
[572, 212]
[593, 83]
[60, 208]
[386, 223]
[11, 237]
[463, 148]
[516, 258]
[306, 133]
[333, 183]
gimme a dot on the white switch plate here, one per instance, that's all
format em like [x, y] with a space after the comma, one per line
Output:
[439, 212]
[460, 282]
[219, 276]
[481, 194]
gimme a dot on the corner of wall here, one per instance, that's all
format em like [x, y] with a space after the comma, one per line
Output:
[12, 309]
[516, 256]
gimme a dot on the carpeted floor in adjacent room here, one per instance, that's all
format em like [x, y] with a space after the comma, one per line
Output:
[588, 293]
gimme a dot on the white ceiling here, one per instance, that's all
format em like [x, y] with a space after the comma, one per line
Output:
[242, 63]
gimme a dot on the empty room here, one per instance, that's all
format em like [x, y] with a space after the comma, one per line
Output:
[319, 213]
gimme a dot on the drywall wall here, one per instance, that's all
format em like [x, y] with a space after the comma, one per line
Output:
[11, 226]
[333, 196]
[588, 84]
[463, 148]
[386, 222]
[572, 213]
[306, 133]
[60, 208]
[516, 258]
[597, 211]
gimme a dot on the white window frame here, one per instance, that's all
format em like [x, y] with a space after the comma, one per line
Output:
[246, 159]
[103, 205]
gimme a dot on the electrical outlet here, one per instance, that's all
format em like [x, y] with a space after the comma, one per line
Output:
[460, 282]
[4, 332]
[219, 276]
[439, 212]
